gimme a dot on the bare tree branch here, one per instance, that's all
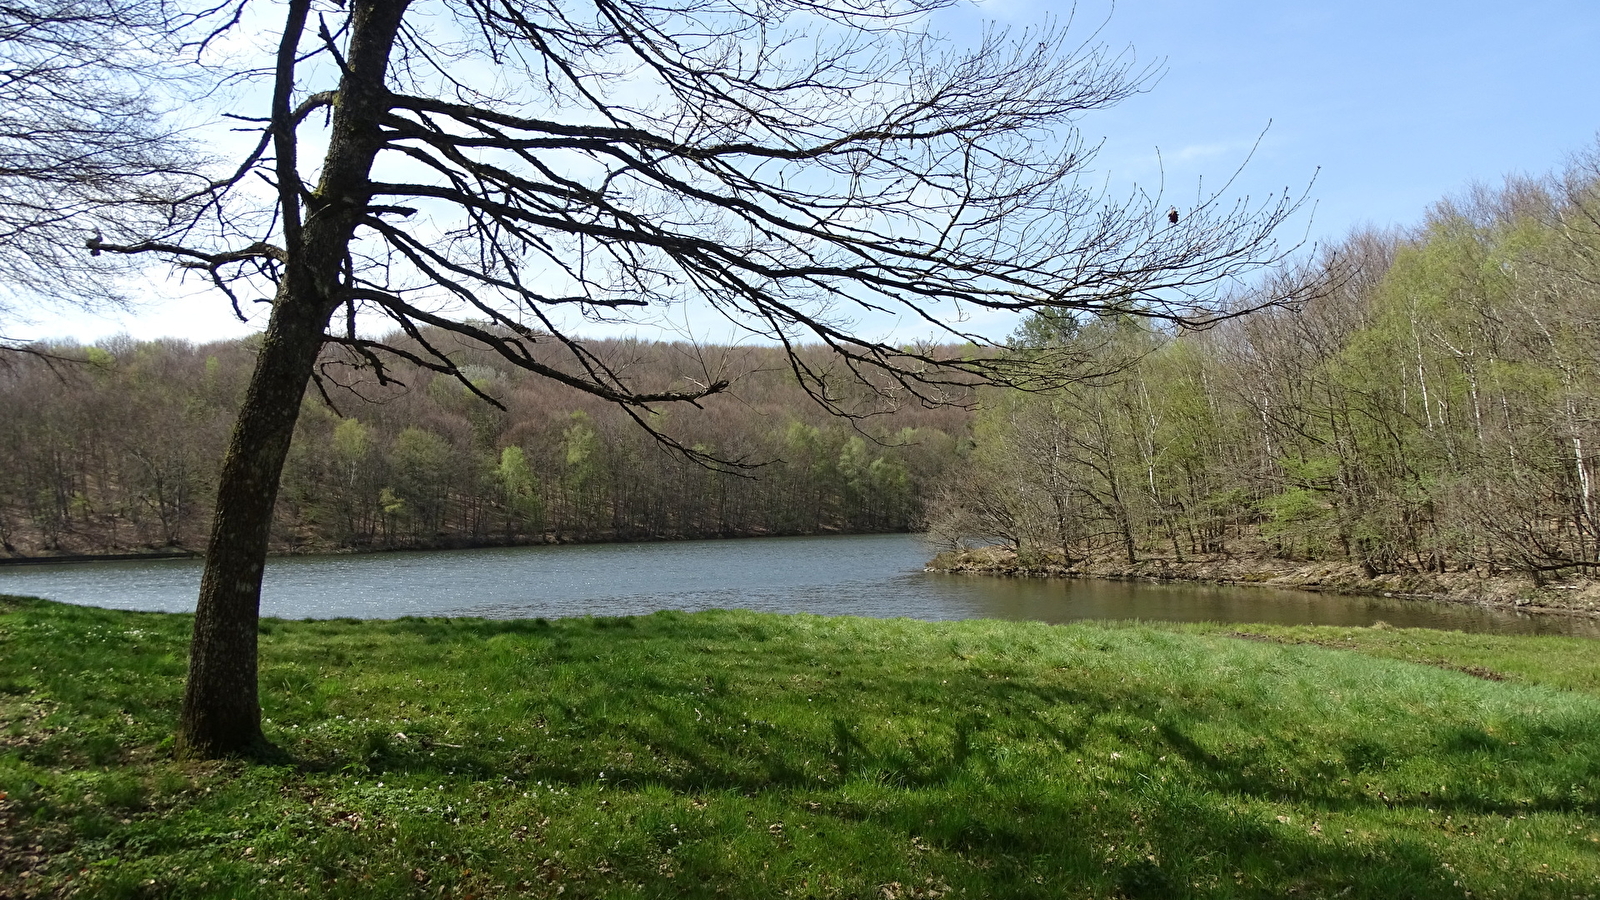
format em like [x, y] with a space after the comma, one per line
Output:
[791, 165]
[83, 141]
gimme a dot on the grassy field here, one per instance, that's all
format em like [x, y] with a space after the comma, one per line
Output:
[732, 754]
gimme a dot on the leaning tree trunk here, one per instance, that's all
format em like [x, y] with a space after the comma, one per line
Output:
[221, 706]
[221, 712]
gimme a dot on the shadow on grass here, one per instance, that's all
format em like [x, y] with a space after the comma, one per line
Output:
[998, 838]
[1200, 824]
[827, 749]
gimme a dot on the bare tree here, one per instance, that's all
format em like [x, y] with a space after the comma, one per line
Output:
[84, 143]
[493, 171]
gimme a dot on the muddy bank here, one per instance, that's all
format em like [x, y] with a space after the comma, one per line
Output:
[1576, 596]
[97, 557]
[280, 547]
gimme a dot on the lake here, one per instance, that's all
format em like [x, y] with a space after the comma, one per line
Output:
[874, 575]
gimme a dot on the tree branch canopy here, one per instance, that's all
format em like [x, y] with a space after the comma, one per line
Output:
[790, 165]
[83, 141]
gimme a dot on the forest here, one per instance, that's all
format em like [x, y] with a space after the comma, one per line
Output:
[117, 452]
[1434, 407]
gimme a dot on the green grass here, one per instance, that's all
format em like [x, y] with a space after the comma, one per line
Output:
[733, 754]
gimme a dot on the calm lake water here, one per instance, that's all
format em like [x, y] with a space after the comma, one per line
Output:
[876, 575]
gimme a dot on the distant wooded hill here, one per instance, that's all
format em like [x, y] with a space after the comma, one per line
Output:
[119, 453]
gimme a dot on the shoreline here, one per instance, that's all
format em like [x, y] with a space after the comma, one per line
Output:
[98, 557]
[442, 545]
[1578, 597]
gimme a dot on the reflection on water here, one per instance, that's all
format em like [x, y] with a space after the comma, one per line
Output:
[875, 575]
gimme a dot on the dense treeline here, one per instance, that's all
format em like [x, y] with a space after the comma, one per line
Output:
[119, 453]
[1436, 407]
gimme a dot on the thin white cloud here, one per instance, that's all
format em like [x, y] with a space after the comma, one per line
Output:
[1007, 9]
[1195, 152]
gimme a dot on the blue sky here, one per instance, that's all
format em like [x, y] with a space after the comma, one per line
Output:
[1391, 106]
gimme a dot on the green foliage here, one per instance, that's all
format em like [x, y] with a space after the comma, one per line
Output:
[582, 446]
[740, 754]
[1294, 506]
[420, 472]
[1435, 405]
[1047, 328]
[524, 511]
[100, 358]
[352, 442]
[1293, 520]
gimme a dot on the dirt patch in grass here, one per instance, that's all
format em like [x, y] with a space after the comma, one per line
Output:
[20, 859]
[1484, 672]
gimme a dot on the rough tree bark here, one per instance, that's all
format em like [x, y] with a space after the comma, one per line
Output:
[221, 707]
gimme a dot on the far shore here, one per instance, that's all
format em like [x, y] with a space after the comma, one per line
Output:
[1574, 596]
[43, 557]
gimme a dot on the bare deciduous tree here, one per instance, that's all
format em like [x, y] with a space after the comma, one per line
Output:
[481, 168]
[84, 144]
